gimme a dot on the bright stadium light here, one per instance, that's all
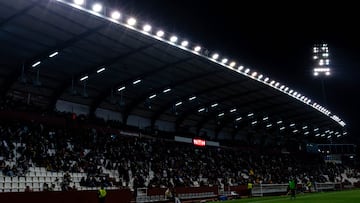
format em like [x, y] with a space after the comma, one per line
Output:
[321, 60]
[215, 56]
[79, 2]
[97, 7]
[160, 33]
[197, 48]
[173, 39]
[224, 60]
[184, 43]
[321, 67]
[115, 15]
[147, 28]
[131, 21]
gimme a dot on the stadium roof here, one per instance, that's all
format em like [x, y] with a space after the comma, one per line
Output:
[59, 50]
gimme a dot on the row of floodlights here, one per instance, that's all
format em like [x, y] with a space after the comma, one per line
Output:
[115, 16]
[279, 122]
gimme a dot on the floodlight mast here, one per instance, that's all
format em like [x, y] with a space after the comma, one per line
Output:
[321, 67]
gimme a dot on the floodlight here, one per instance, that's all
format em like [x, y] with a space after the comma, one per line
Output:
[173, 39]
[79, 2]
[115, 15]
[184, 43]
[224, 60]
[131, 21]
[197, 48]
[321, 60]
[147, 28]
[160, 33]
[215, 56]
[97, 7]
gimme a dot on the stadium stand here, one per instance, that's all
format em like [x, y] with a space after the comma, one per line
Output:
[60, 145]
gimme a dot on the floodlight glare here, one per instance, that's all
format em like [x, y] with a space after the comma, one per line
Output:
[160, 33]
[214, 105]
[321, 60]
[173, 39]
[232, 64]
[215, 56]
[167, 90]
[147, 28]
[184, 43]
[36, 64]
[192, 98]
[115, 15]
[84, 78]
[79, 2]
[178, 104]
[152, 96]
[100, 70]
[121, 88]
[97, 7]
[136, 81]
[131, 21]
[224, 60]
[53, 54]
[197, 48]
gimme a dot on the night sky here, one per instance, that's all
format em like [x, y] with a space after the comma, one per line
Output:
[274, 39]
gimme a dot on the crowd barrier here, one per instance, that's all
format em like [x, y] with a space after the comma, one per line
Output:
[113, 196]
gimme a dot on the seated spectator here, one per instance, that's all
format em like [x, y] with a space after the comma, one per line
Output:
[83, 182]
[46, 187]
[168, 194]
[28, 189]
[52, 187]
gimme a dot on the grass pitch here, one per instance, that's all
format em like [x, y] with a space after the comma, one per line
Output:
[348, 196]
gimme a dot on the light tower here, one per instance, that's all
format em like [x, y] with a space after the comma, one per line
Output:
[322, 61]
[321, 66]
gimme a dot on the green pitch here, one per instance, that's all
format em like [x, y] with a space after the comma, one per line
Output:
[349, 196]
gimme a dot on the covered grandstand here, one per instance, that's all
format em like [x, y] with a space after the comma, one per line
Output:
[94, 65]
[57, 54]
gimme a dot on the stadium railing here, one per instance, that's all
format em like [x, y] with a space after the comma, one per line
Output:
[319, 187]
[269, 189]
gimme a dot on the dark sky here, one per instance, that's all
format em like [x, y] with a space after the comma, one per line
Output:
[274, 39]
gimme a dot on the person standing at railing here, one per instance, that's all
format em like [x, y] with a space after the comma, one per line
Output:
[250, 187]
[308, 185]
[292, 188]
[102, 194]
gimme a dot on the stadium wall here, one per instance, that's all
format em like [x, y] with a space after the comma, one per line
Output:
[108, 114]
[118, 196]
[65, 106]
